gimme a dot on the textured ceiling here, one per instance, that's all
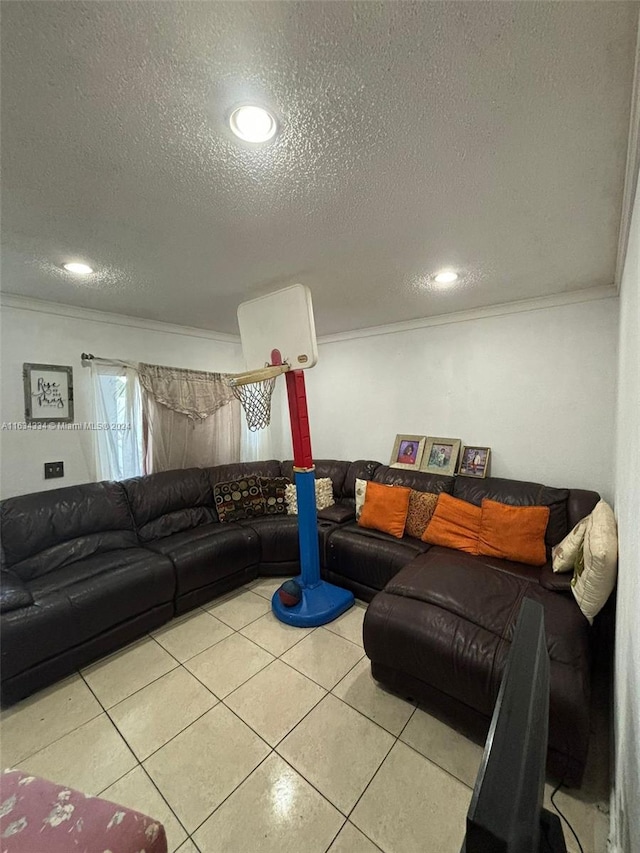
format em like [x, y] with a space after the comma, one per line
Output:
[490, 137]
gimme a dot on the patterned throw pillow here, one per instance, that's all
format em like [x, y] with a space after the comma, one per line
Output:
[324, 495]
[360, 493]
[421, 507]
[273, 491]
[239, 499]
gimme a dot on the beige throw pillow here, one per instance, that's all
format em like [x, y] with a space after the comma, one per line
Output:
[324, 495]
[361, 493]
[595, 576]
[564, 554]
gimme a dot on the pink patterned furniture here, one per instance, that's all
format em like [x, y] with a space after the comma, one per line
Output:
[37, 816]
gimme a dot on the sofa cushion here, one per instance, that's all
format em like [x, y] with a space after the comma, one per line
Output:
[385, 509]
[564, 553]
[369, 557]
[169, 501]
[595, 575]
[239, 470]
[454, 524]
[82, 600]
[238, 499]
[513, 532]
[278, 537]
[13, 592]
[418, 480]
[338, 513]
[519, 493]
[96, 513]
[208, 553]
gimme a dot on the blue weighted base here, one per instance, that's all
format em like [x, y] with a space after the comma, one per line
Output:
[319, 604]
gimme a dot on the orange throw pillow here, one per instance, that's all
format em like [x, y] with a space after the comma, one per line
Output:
[454, 524]
[385, 508]
[514, 532]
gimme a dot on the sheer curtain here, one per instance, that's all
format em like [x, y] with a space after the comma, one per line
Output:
[190, 418]
[118, 438]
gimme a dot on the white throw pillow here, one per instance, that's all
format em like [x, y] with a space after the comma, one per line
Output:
[324, 495]
[594, 580]
[361, 492]
[564, 554]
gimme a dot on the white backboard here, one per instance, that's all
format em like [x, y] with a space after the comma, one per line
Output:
[282, 320]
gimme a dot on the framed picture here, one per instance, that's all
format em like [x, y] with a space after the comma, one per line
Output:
[474, 461]
[407, 452]
[441, 456]
[48, 393]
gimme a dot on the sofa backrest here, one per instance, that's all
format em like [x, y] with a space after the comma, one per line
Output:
[361, 469]
[519, 493]
[332, 468]
[581, 502]
[47, 530]
[237, 470]
[418, 480]
[169, 502]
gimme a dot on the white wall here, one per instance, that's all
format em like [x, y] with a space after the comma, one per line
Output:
[625, 810]
[41, 333]
[537, 386]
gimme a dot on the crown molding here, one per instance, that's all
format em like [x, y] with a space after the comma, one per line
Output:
[570, 297]
[26, 303]
[631, 170]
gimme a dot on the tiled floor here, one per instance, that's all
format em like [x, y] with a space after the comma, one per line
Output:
[242, 734]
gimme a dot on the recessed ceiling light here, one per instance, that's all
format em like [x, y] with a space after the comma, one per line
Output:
[78, 269]
[253, 124]
[446, 277]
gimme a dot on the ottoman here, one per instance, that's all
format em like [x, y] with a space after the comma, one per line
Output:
[441, 630]
[37, 816]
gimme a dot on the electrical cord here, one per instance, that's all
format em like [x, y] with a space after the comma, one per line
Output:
[553, 803]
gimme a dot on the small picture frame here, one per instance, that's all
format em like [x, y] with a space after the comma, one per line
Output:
[48, 393]
[441, 456]
[474, 461]
[407, 452]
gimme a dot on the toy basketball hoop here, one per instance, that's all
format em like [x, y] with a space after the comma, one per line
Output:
[254, 389]
[278, 331]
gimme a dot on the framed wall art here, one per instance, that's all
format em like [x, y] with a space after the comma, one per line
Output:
[48, 393]
[474, 461]
[441, 456]
[407, 452]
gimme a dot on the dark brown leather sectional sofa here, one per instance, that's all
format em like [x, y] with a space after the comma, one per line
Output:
[87, 569]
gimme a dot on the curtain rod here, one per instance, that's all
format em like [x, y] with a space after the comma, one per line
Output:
[87, 357]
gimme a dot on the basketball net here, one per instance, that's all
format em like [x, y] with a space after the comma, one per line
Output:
[254, 390]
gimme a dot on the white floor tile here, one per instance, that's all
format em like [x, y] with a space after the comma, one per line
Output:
[183, 638]
[274, 700]
[274, 811]
[273, 635]
[351, 840]
[200, 767]
[155, 714]
[240, 609]
[136, 791]
[44, 717]
[324, 657]
[90, 758]
[337, 750]
[349, 625]
[228, 664]
[443, 745]
[121, 674]
[412, 806]
[363, 693]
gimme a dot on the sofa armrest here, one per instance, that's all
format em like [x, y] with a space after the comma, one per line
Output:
[13, 593]
[556, 581]
[339, 513]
